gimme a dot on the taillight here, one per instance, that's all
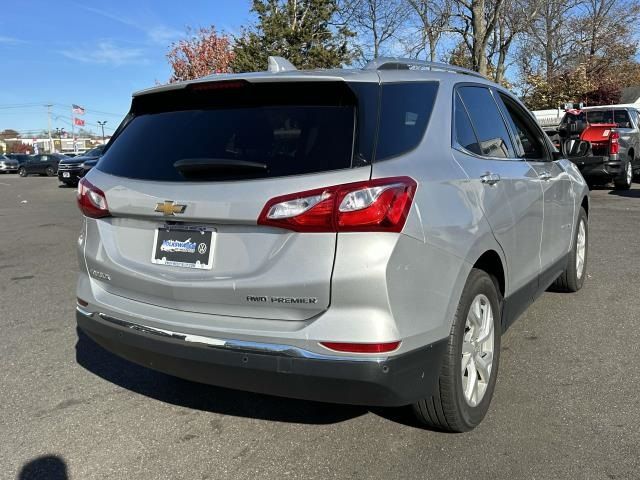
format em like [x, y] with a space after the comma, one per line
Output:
[91, 200]
[361, 347]
[614, 143]
[380, 205]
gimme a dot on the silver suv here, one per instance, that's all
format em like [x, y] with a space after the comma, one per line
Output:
[352, 236]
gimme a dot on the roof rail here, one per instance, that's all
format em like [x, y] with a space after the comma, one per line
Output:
[279, 64]
[395, 63]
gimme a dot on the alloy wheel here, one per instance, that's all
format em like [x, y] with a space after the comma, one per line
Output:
[477, 350]
[581, 248]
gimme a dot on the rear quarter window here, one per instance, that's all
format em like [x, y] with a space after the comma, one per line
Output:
[405, 109]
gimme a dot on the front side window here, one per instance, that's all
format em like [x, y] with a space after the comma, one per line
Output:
[528, 138]
[487, 122]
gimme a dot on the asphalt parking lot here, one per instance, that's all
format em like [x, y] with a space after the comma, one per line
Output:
[566, 403]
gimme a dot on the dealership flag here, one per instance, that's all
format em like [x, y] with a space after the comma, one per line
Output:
[78, 121]
[77, 109]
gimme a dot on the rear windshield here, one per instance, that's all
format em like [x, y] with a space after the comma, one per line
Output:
[287, 128]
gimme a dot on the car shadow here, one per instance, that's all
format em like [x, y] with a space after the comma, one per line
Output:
[176, 391]
[46, 467]
[634, 193]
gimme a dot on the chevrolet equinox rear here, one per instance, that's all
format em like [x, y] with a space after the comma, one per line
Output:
[349, 236]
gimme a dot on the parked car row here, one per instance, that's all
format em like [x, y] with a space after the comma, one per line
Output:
[68, 169]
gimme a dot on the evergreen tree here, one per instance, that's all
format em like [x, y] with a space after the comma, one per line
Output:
[299, 30]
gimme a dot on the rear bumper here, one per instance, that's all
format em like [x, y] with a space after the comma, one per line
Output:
[272, 369]
[599, 166]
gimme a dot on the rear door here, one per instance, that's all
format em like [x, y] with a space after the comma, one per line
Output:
[193, 169]
[33, 164]
[553, 181]
[628, 132]
[507, 186]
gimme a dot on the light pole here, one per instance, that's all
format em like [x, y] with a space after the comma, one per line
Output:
[60, 131]
[102, 124]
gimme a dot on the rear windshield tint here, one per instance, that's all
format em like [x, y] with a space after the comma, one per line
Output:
[291, 128]
[405, 109]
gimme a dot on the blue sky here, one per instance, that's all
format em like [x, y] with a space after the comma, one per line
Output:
[94, 54]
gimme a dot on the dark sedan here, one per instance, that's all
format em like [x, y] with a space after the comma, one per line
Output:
[71, 170]
[18, 157]
[41, 164]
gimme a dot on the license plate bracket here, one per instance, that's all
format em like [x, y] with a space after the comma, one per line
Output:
[186, 247]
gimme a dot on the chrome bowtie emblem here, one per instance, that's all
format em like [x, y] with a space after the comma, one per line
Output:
[169, 208]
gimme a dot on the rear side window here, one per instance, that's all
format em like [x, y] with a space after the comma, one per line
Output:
[284, 129]
[405, 109]
[621, 117]
[487, 122]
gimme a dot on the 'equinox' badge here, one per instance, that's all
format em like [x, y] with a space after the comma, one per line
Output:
[169, 208]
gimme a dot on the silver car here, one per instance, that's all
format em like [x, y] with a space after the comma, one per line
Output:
[350, 236]
[7, 165]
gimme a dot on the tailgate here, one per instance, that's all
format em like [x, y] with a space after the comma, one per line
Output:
[145, 250]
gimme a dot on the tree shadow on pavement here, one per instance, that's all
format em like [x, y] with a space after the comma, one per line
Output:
[47, 467]
[176, 391]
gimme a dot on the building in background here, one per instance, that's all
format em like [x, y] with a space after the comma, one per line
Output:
[61, 145]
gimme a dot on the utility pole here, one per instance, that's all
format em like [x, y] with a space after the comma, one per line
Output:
[60, 131]
[49, 128]
[102, 124]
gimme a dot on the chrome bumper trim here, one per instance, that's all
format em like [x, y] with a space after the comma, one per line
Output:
[227, 344]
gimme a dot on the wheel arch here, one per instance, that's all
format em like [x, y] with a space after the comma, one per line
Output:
[491, 263]
[585, 204]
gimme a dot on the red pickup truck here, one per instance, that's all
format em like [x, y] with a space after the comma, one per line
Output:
[603, 142]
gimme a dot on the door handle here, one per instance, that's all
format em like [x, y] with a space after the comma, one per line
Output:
[545, 175]
[490, 178]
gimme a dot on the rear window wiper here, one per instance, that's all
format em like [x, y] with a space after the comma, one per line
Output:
[190, 167]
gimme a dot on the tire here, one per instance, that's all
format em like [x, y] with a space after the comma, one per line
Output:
[624, 182]
[448, 408]
[22, 172]
[573, 277]
[50, 171]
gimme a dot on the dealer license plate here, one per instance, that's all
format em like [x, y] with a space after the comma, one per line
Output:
[183, 247]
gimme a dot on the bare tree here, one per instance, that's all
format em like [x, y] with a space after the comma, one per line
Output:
[551, 37]
[477, 20]
[377, 22]
[430, 20]
[515, 19]
[604, 23]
